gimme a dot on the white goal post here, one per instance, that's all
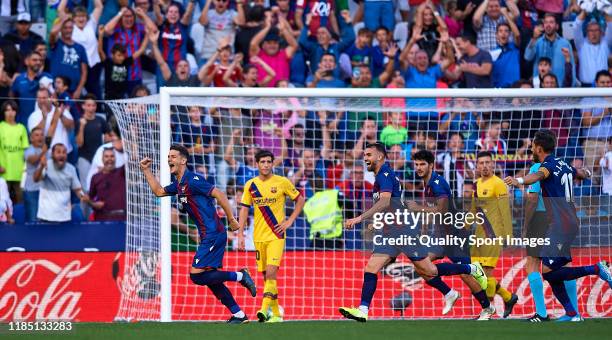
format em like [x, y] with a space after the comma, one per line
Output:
[352, 95]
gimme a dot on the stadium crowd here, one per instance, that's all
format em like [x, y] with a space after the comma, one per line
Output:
[59, 145]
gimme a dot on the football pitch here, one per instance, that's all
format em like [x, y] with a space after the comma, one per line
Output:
[397, 329]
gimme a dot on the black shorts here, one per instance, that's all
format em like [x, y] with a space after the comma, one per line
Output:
[538, 227]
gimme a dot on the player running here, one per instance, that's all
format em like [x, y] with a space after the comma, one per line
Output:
[266, 193]
[197, 197]
[491, 198]
[438, 198]
[386, 195]
[556, 181]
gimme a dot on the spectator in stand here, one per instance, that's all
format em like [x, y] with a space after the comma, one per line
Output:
[560, 122]
[324, 44]
[318, 14]
[506, 57]
[123, 29]
[84, 33]
[57, 180]
[219, 23]
[362, 74]
[369, 132]
[181, 75]
[199, 139]
[464, 123]
[268, 134]
[6, 205]
[379, 13]
[55, 120]
[40, 47]
[475, 64]
[243, 171]
[455, 167]
[605, 163]
[325, 74]
[544, 69]
[93, 131]
[31, 189]
[9, 12]
[68, 58]
[380, 52]
[394, 133]
[26, 85]
[217, 66]
[97, 162]
[492, 141]
[249, 74]
[553, 7]
[428, 28]
[22, 36]
[361, 52]
[254, 18]
[116, 68]
[423, 74]
[453, 19]
[13, 142]
[266, 46]
[550, 45]
[593, 50]
[596, 125]
[310, 174]
[487, 17]
[107, 190]
[174, 36]
[356, 191]
[402, 168]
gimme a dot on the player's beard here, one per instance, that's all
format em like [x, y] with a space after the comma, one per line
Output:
[535, 158]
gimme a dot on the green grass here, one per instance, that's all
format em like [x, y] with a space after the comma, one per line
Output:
[337, 330]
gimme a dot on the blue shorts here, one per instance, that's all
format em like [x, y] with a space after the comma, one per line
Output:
[210, 252]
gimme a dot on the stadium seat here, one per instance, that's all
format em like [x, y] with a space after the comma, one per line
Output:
[19, 213]
[400, 34]
[40, 28]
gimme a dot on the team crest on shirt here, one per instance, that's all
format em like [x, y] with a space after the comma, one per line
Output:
[484, 192]
[273, 190]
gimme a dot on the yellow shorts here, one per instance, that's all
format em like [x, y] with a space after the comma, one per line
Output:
[269, 253]
[486, 255]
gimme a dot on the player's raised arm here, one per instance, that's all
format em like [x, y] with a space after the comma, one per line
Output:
[529, 179]
[583, 173]
[383, 203]
[225, 205]
[145, 166]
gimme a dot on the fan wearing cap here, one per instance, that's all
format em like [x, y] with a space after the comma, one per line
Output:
[266, 46]
[21, 36]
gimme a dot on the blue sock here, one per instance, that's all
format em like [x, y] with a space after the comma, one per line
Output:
[537, 291]
[369, 287]
[445, 269]
[482, 298]
[571, 273]
[225, 296]
[438, 284]
[572, 292]
[212, 277]
[558, 288]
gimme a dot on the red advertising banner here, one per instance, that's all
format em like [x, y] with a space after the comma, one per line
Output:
[312, 285]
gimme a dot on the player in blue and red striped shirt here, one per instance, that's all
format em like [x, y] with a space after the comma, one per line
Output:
[197, 197]
[556, 180]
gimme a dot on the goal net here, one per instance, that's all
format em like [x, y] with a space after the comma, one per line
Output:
[318, 138]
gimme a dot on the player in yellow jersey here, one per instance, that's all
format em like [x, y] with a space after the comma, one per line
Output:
[491, 198]
[266, 194]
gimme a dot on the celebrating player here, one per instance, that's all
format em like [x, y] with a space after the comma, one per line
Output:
[197, 197]
[491, 198]
[267, 193]
[386, 189]
[439, 200]
[556, 182]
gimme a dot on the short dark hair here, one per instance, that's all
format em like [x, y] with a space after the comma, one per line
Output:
[502, 25]
[551, 75]
[551, 15]
[545, 60]
[56, 145]
[90, 96]
[545, 139]
[118, 48]
[181, 149]
[519, 83]
[64, 80]
[380, 147]
[469, 37]
[263, 154]
[602, 73]
[364, 30]
[484, 154]
[139, 88]
[329, 54]
[424, 155]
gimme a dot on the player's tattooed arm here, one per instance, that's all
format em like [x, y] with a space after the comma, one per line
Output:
[379, 206]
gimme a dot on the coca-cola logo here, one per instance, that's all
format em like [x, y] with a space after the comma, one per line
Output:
[25, 301]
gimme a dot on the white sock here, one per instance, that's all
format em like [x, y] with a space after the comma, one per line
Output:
[451, 292]
[239, 276]
[364, 309]
[240, 314]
